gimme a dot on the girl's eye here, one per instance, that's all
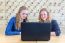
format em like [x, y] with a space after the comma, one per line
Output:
[25, 14]
[44, 14]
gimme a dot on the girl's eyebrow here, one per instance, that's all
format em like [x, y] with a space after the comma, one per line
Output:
[24, 13]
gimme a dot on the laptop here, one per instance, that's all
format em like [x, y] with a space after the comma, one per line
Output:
[35, 31]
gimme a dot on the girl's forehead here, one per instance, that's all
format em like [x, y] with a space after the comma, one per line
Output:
[24, 11]
[42, 12]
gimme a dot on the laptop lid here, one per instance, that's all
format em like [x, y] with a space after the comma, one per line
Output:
[35, 31]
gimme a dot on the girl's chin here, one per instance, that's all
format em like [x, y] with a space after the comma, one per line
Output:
[24, 18]
[44, 19]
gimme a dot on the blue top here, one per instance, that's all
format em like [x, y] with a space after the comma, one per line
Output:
[11, 27]
[55, 27]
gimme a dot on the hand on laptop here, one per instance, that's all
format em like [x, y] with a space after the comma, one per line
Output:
[53, 34]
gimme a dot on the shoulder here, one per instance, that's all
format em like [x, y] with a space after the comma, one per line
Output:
[53, 21]
[13, 19]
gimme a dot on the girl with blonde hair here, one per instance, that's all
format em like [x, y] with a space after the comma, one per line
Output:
[14, 25]
[44, 17]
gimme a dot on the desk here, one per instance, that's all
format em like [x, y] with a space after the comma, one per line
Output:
[17, 39]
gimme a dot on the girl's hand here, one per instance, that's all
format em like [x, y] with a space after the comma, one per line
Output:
[53, 34]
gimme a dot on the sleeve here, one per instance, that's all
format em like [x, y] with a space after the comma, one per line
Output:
[56, 27]
[8, 30]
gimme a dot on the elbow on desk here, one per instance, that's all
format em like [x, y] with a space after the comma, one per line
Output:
[12, 33]
[7, 33]
[58, 33]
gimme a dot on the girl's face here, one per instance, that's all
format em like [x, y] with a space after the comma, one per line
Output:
[24, 14]
[44, 15]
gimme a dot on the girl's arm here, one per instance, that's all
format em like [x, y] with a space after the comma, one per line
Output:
[56, 27]
[8, 30]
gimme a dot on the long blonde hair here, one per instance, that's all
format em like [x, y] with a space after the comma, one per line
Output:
[48, 18]
[18, 23]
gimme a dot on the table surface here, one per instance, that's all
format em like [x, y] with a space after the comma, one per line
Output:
[17, 39]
